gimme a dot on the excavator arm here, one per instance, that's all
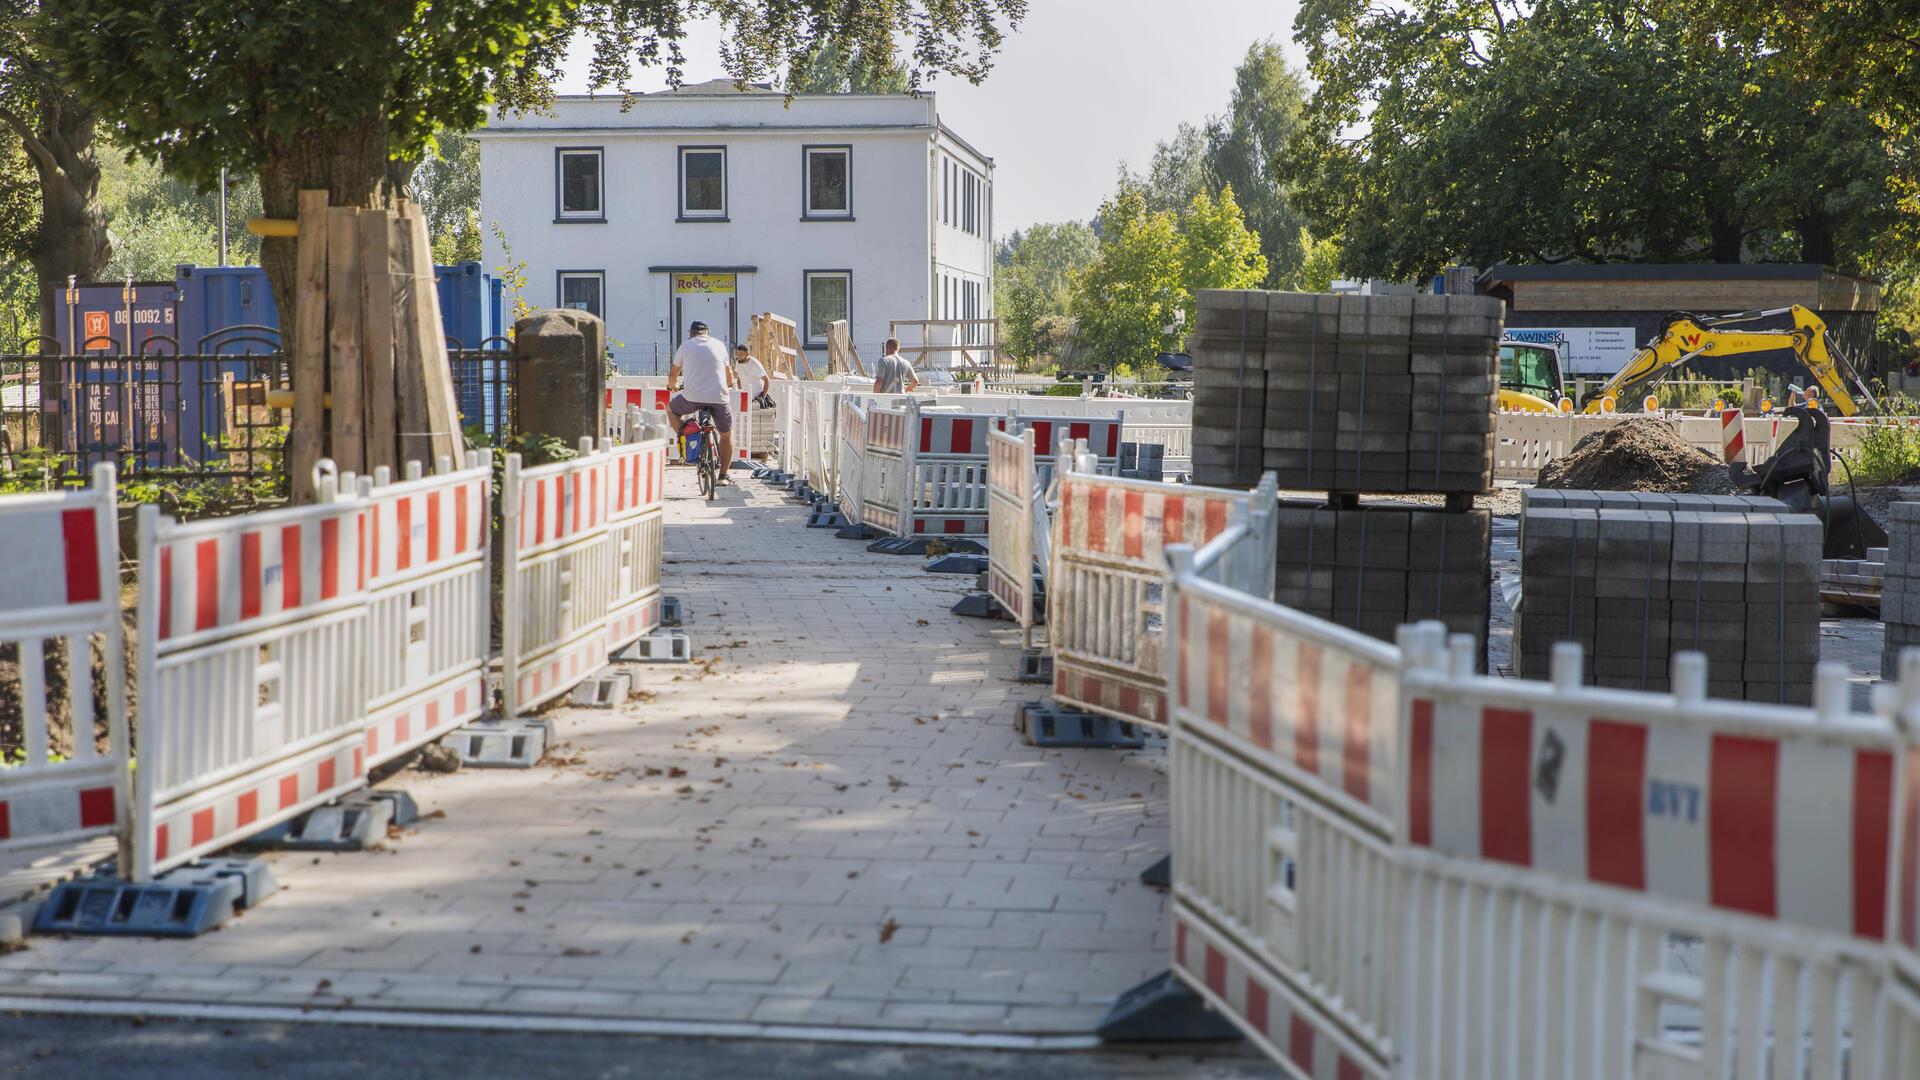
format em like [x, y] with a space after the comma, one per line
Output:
[1687, 337]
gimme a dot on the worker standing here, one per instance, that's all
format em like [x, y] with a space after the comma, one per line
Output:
[752, 375]
[893, 375]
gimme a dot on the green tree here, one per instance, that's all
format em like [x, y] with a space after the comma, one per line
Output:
[1052, 252]
[1020, 304]
[158, 222]
[65, 234]
[345, 96]
[1477, 132]
[833, 68]
[1137, 298]
[1319, 264]
[447, 183]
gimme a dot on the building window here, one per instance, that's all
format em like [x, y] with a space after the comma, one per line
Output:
[829, 296]
[577, 192]
[584, 290]
[703, 183]
[946, 192]
[969, 203]
[829, 182]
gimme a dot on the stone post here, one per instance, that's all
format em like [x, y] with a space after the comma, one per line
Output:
[561, 374]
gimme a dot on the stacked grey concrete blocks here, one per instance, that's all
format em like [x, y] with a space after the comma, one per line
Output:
[1900, 586]
[1375, 567]
[1229, 387]
[1381, 394]
[1634, 577]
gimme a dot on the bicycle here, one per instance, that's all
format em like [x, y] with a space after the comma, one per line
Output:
[709, 463]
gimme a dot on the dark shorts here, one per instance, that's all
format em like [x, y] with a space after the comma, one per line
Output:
[722, 415]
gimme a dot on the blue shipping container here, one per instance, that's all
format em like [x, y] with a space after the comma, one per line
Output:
[223, 308]
[98, 315]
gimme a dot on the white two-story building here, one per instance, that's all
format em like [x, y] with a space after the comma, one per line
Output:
[713, 204]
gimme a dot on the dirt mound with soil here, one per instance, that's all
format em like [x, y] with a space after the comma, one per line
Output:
[1643, 454]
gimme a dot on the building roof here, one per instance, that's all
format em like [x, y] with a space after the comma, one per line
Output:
[1657, 272]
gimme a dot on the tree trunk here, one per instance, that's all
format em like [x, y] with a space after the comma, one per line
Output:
[1726, 239]
[1817, 244]
[72, 239]
[348, 161]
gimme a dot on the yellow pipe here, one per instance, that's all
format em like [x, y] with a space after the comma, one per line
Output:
[283, 399]
[265, 226]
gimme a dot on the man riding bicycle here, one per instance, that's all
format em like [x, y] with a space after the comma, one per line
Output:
[705, 381]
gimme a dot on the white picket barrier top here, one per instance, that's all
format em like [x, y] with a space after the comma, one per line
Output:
[428, 604]
[1396, 867]
[61, 580]
[252, 672]
[1105, 608]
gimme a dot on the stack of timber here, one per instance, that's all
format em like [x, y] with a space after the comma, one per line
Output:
[774, 340]
[371, 383]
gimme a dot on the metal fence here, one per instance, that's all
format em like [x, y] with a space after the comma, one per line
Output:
[217, 413]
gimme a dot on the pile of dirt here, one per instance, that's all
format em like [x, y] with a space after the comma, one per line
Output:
[1642, 454]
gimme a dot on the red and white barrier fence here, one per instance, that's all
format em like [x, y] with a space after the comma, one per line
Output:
[1106, 615]
[1387, 865]
[253, 699]
[60, 582]
[428, 604]
[1015, 504]
[581, 563]
[649, 394]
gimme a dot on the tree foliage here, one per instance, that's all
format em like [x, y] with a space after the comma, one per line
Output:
[158, 222]
[1137, 298]
[346, 96]
[1247, 148]
[833, 68]
[1574, 129]
[1034, 281]
[447, 183]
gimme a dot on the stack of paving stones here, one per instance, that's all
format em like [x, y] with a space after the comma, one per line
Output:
[1634, 577]
[1377, 566]
[1900, 586]
[1363, 394]
[1229, 346]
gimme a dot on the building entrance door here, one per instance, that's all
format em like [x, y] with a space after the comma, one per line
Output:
[707, 298]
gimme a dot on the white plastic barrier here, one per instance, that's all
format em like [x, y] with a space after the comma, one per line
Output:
[253, 636]
[649, 393]
[1014, 502]
[581, 569]
[1105, 610]
[1386, 865]
[428, 605]
[1525, 442]
[848, 467]
[61, 581]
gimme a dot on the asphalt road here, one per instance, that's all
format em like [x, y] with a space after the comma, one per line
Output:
[159, 1049]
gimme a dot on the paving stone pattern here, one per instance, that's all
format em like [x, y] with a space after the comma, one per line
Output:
[829, 820]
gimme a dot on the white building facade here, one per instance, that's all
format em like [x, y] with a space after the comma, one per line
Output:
[712, 204]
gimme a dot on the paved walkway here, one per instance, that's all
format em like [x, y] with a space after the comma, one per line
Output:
[829, 820]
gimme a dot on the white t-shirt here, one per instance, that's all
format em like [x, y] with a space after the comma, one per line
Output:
[703, 370]
[752, 375]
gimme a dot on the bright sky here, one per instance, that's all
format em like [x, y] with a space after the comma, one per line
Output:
[1082, 86]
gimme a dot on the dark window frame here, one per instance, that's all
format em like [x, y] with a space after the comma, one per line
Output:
[806, 300]
[807, 212]
[563, 216]
[682, 214]
[560, 288]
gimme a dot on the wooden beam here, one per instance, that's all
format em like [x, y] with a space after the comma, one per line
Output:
[430, 340]
[343, 339]
[376, 313]
[309, 373]
[410, 389]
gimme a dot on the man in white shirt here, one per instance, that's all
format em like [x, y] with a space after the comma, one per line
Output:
[751, 373]
[704, 381]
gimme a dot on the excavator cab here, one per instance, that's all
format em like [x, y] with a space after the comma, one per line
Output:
[1530, 376]
[1797, 475]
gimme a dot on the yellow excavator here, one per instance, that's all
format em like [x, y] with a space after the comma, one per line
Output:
[1686, 336]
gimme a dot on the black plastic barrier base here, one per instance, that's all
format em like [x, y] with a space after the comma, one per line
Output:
[183, 902]
[826, 519]
[918, 545]
[858, 532]
[1036, 667]
[1048, 724]
[958, 563]
[979, 605]
[354, 822]
[1162, 1009]
[1159, 874]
